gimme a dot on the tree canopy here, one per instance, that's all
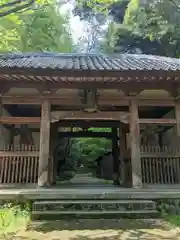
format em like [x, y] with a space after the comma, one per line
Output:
[36, 30]
[8, 7]
[138, 26]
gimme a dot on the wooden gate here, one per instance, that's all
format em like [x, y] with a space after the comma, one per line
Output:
[19, 164]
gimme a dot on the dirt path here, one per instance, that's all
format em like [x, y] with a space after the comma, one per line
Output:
[99, 230]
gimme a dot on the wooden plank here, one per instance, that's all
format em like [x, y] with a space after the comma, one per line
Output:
[160, 155]
[80, 115]
[160, 121]
[85, 134]
[43, 175]
[19, 120]
[135, 145]
[19, 154]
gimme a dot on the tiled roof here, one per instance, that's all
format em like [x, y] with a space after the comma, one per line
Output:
[121, 62]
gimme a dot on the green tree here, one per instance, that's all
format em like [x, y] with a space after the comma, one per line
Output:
[41, 29]
[87, 150]
[10, 7]
[153, 27]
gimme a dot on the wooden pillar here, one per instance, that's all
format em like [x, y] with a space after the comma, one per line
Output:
[135, 145]
[116, 174]
[43, 175]
[53, 143]
[122, 149]
[12, 134]
[177, 114]
[1, 113]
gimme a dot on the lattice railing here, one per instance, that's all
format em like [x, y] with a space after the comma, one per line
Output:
[160, 165]
[19, 164]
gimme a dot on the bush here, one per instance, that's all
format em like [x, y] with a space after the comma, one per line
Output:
[13, 217]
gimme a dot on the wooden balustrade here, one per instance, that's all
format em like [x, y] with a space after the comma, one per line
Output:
[160, 165]
[19, 164]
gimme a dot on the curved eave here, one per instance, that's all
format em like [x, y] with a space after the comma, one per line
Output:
[49, 72]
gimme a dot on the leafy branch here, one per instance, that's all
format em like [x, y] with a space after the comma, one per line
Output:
[15, 6]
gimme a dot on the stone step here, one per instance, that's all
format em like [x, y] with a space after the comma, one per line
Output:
[93, 212]
[94, 201]
[94, 207]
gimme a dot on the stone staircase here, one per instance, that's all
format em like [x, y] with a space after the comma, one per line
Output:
[93, 208]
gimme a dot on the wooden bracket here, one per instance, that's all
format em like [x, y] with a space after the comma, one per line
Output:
[46, 90]
[4, 89]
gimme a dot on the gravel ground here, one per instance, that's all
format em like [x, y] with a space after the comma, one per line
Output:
[99, 230]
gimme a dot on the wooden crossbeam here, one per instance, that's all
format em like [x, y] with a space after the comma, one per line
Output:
[80, 115]
[19, 120]
[19, 154]
[85, 134]
[75, 115]
[160, 121]
[102, 100]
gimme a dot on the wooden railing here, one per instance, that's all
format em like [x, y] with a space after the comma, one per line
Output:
[19, 164]
[160, 165]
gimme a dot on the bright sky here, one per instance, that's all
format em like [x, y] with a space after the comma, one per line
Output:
[77, 26]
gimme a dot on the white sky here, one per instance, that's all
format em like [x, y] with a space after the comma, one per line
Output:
[77, 26]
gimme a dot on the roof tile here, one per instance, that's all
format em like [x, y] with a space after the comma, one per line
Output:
[62, 61]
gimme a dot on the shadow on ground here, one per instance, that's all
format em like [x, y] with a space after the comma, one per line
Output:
[96, 224]
[98, 230]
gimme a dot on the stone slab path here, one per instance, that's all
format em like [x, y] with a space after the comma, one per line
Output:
[99, 230]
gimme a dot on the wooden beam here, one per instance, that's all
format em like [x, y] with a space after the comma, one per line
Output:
[19, 154]
[135, 145]
[166, 102]
[80, 115]
[85, 134]
[19, 120]
[29, 100]
[158, 121]
[102, 100]
[43, 176]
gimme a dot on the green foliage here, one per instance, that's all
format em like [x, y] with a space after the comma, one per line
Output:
[13, 217]
[149, 26]
[40, 29]
[87, 150]
[8, 8]
[173, 219]
[97, 5]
